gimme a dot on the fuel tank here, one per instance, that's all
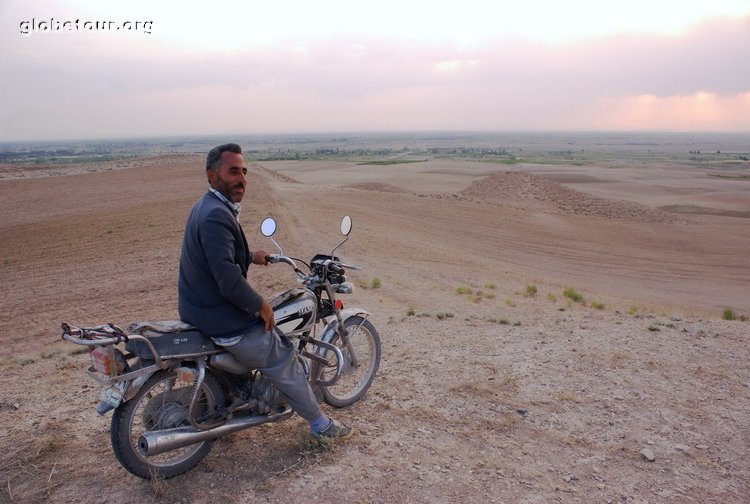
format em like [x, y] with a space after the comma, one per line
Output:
[295, 310]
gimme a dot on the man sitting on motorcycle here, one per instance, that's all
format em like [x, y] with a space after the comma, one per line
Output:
[214, 296]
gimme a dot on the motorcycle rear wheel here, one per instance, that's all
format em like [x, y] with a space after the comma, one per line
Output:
[354, 381]
[161, 403]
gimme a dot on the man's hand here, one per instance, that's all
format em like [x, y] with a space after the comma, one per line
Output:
[266, 313]
[259, 257]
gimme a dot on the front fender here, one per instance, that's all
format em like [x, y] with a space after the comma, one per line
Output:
[329, 331]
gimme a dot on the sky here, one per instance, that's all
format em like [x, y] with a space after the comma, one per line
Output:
[173, 68]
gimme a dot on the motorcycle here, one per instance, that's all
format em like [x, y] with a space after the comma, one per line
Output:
[173, 391]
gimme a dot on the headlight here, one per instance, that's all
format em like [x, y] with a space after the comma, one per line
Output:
[345, 288]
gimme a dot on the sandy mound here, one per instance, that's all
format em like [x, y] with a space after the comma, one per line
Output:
[275, 175]
[533, 192]
[378, 186]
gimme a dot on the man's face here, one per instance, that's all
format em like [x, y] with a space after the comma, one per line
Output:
[231, 177]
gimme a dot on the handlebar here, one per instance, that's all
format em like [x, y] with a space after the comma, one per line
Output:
[334, 267]
[331, 265]
[277, 258]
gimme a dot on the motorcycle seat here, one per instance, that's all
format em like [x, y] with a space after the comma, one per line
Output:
[170, 338]
[159, 327]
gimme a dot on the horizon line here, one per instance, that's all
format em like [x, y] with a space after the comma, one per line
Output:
[373, 132]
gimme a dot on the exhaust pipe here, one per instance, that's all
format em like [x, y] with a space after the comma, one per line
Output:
[156, 442]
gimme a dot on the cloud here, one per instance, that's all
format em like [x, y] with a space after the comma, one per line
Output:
[100, 85]
[701, 111]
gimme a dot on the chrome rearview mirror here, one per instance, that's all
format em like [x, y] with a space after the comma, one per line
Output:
[346, 225]
[346, 228]
[268, 227]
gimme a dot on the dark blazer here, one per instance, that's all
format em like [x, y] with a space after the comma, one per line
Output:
[213, 293]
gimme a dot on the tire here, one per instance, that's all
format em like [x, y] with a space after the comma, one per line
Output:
[161, 403]
[353, 382]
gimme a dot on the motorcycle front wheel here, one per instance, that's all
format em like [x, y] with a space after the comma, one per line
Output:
[162, 403]
[355, 379]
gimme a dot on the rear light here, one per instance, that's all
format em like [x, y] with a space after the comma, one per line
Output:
[185, 374]
[339, 305]
[107, 360]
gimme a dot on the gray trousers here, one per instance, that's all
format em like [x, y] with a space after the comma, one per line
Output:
[274, 355]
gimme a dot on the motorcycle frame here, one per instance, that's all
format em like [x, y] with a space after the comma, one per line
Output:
[137, 378]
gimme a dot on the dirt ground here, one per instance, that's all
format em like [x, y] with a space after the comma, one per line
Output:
[494, 386]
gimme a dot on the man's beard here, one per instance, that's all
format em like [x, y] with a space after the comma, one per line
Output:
[224, 188]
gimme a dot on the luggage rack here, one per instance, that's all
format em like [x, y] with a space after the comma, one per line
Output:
[109, 335]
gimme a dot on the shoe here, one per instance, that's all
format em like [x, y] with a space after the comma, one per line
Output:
[335, 432]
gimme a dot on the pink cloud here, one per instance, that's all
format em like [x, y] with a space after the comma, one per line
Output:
[697, 112]
[696, 81]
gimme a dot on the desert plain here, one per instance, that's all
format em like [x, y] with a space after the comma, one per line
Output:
[495, 386]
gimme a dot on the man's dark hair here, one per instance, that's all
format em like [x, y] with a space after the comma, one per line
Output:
[214, 155]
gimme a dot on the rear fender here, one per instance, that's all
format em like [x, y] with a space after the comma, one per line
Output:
[148, 371]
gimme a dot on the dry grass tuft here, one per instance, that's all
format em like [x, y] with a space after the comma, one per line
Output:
[488, 388]
[499, 422]
[619, 358]
[486, 427]
[34, 468]
[566, 395]
[160, 487]
[62, 349]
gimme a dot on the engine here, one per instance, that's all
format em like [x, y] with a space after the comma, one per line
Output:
[269, 397]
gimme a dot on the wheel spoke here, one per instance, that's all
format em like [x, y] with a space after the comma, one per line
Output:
[361, 361]
[162, 404]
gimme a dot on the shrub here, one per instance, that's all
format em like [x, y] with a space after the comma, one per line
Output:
[311, 445]
[375, 283]
[490, 285]
[25, 360]
[461, 290]
[597, 305]
[530, 291]
[729, 314]
[551, 297]
[573, 295]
